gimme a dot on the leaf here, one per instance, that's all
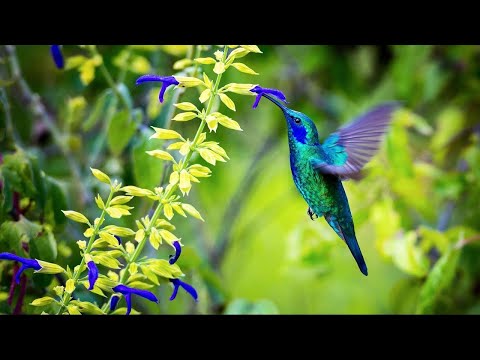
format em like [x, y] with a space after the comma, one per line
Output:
[125, 92]
[192, 211]
[205, 95]
[227, 101]
[186, 106]
[219, 68]
[120, 130]
[205, 61]
[101, 176]
[165, 134]
[44, 246]
[137, 191]
[160, 154]
[46, 300]
[76, 216]
[147, 170]
[229, 123]
[438, 281]
[101, 105]
[185, 116]
[244, 68]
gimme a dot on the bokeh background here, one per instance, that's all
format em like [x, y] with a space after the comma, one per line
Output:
[416, 209]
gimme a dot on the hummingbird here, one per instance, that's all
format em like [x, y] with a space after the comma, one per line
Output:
[318, 169]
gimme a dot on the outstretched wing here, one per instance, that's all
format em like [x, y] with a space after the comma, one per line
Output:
[346, 151]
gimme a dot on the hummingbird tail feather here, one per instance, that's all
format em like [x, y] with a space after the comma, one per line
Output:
[351, 240]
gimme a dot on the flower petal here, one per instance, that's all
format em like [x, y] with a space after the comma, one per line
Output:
[166, 82]
[119, 239]
[178, 250]
[19, 273]
[92, 274]
[145, 294]
[261, 90]
[187, 287]
[128, 299]
[57, 56]
[114, 302]
[29, 263]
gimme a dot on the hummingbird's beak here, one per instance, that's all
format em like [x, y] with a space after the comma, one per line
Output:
[276, 102]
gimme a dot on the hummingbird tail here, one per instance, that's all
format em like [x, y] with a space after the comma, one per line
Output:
[351, 240]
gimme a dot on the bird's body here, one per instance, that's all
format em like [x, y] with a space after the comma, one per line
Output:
[319, 168]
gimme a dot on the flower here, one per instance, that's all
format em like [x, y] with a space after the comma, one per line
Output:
[118, 239]
[26, 264]
[260, 91]
[127, 292]
[165, 80]
[92, 274]
[188, 288]
[57, 56]
[178, 250]
[114, 302]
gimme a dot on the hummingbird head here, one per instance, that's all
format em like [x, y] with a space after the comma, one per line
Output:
[300, 127]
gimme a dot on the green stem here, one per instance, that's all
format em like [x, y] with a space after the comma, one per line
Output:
[170, 192]
[76, 274]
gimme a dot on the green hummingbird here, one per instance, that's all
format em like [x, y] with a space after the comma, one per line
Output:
[318, 169]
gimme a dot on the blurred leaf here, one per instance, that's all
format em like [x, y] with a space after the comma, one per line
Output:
[44, 247]
[101, 105]
[407, 254]
[146, 169]
[120, 130]
[437, 282]
[125, 92]
[13, 233]
[404, 296]
[56, 201]
[245, 307]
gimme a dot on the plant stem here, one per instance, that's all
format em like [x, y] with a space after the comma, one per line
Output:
[169, 193]
[66, 296]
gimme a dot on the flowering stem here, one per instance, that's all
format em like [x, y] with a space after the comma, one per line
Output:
[76, 273]
[169, 193]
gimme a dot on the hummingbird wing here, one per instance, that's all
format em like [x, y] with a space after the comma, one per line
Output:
[346, 151]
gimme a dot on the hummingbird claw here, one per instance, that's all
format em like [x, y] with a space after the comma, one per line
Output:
[312, 214]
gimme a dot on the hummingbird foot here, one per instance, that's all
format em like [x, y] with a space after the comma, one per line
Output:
[312, 215]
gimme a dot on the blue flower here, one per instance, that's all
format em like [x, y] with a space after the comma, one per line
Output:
[57, 56]
[188, 288]
[260, 91]
[114, 302]
[26, 264]
[127, 292]
[92, 274]
[118, 239]
[178, 250]
[165, 80]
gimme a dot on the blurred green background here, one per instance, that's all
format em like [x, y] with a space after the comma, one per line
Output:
[415, 211]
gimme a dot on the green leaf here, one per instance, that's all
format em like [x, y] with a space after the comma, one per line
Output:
[120, 130]
[146, 169]
[101, 105]
[56, 200]
[123, 90]
[44, 246]
[13, 233]
[438, 281]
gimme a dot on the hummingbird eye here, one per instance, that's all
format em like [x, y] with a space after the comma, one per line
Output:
[297, 120]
